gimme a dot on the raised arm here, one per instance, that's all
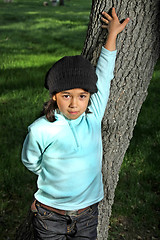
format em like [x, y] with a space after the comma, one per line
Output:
[106, 63]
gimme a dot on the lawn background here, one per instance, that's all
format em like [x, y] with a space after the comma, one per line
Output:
[32, 38]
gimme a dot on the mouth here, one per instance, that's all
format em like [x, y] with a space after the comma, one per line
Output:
[73, 113]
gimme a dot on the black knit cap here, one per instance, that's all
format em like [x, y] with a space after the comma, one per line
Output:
[71, 72]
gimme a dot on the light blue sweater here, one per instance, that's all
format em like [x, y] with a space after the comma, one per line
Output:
[67, 154]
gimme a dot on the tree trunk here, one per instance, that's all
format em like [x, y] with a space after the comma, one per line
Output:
[138, 50]
[61, 2]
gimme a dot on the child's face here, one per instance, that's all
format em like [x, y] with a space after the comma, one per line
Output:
[72, 103]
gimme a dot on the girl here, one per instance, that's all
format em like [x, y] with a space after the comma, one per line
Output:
[64, 147]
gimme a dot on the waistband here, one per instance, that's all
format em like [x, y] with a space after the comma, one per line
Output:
[59, 211]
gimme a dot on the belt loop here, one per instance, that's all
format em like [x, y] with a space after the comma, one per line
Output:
[33, 207]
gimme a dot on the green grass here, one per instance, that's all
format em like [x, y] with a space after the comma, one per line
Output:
[32, 38]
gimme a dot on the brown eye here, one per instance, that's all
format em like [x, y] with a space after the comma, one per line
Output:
[82, 96]
[66, 96]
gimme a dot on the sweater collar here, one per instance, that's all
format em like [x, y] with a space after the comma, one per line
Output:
[74, 122]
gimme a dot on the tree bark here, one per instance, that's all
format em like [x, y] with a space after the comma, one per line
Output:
[61, 2]
[138, 49]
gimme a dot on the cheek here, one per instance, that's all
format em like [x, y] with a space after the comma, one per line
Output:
[85, 105]
[61, 105]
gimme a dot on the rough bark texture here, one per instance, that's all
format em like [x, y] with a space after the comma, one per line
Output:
[138, 50]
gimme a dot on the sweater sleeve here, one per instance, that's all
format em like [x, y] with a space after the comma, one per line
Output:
[32, 154]
[104, 71]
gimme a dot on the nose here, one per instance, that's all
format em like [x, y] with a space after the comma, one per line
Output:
[73, 103]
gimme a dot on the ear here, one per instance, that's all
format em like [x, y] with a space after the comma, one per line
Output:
[54, 97]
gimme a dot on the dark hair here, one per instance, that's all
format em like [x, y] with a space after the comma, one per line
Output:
[49, 108]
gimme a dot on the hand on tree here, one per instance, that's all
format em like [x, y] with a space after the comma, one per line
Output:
[114, 27]
[112, 23]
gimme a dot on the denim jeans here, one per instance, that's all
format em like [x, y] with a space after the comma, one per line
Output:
[49, 225]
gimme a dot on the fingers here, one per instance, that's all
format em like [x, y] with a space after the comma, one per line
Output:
[107, 16]
[125, 23]
[112, 23]
[104, 26]
[114, 15]
[104, 20]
